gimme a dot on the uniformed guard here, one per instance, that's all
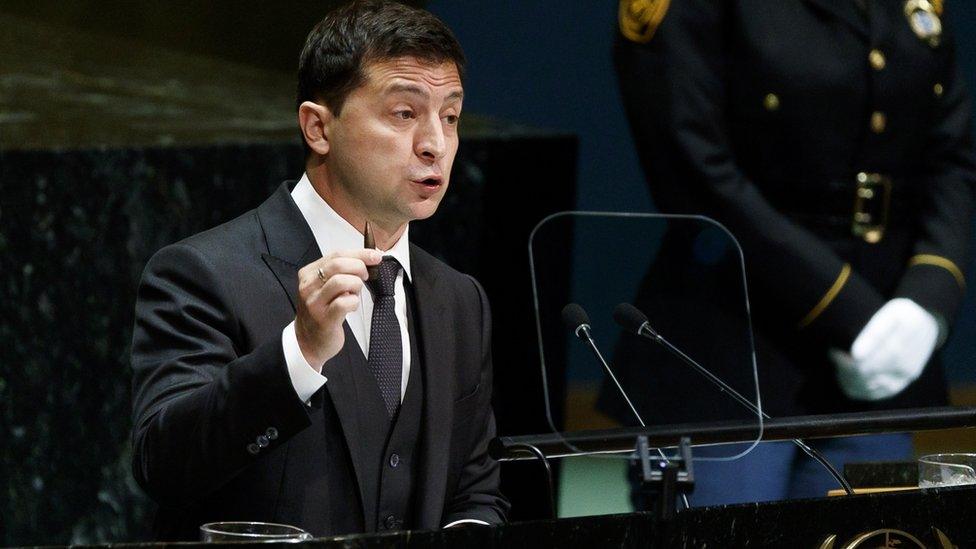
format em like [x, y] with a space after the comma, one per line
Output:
[833, 138]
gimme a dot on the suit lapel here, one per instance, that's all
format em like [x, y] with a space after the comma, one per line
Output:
[845, 10]
[438, 362]
[291, 246]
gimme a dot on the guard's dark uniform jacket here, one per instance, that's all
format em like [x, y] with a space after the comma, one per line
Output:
[833, 139]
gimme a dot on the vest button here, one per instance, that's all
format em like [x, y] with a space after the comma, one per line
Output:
[394, 460]
[391, 522]
[253, 449]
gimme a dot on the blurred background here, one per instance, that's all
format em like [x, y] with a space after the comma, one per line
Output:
[125, 126]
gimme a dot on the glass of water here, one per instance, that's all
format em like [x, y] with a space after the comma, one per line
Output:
[936, 470]
[252, 531]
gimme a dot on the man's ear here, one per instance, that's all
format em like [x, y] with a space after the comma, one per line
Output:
[314, 121]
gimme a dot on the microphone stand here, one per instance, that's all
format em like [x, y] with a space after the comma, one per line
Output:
[662, 481]
[646, 331]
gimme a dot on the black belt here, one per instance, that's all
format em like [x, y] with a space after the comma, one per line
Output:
[863, 208]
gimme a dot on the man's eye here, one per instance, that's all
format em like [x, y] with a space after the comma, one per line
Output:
[404, 115]
[451, 119]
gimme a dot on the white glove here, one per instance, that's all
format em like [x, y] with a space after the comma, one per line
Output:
[889, 353]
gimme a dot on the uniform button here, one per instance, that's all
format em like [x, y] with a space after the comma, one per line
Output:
[271, 433]
[253, 449]
[878, 122]
[394, 460]
[938, 89]
[877, 59]
[390, 522]
[771, 102]
[262, 441]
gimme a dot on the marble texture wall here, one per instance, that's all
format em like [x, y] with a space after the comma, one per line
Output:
[75, 230]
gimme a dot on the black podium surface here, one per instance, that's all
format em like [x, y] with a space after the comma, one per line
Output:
[935, 518]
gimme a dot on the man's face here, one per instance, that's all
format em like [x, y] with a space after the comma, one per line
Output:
[392, 147]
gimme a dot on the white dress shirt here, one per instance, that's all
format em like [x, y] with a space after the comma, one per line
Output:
[334, 234]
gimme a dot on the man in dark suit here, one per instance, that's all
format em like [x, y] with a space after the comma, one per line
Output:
[834, 139]
[269, 383]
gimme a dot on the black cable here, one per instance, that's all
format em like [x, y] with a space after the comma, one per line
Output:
[545, 463]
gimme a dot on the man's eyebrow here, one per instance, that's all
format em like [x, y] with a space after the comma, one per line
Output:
[407, 88]
[417, 90]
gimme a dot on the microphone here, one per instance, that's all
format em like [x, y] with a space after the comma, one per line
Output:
[578, 321]
[631, 319]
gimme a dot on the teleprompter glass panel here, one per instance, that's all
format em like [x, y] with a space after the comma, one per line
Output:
[659, 295]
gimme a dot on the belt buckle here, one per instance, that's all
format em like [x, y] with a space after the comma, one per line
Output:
[872, 200]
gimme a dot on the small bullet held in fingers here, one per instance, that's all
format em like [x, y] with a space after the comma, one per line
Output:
[370, 244]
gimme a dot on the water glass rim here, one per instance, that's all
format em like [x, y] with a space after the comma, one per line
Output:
[211, 527]
[934, 459]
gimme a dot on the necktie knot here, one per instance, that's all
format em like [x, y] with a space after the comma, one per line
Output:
[385, 282]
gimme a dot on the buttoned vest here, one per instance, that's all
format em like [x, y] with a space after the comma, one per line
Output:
[389, 446]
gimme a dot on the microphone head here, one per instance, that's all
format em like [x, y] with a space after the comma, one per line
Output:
[629, 317]
[574, 316]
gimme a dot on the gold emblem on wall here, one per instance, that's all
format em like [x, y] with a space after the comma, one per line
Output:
[639, 19]
[887, 537]
[923, 18]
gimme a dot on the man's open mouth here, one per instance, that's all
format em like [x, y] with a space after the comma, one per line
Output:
[431, 182]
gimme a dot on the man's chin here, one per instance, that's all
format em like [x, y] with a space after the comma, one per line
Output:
[424, 209]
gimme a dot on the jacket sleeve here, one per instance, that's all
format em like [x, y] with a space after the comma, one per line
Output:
[935, 278]
[199, 404]
[477, 495]
[674, 91]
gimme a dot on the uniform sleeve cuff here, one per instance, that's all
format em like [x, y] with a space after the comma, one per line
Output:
[938, 288]
[466, 521]
[304, 378]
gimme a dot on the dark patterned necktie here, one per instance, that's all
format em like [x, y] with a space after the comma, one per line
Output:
[385, 347]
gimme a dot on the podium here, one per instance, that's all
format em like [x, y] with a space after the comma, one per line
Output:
[935, 519]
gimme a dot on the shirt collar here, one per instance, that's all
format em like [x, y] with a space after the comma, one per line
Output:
[333, 233]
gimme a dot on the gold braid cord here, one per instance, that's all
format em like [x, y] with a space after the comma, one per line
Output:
[939, 261]
[831, 294]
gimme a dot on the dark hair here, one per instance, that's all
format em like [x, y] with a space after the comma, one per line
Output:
[351, 37]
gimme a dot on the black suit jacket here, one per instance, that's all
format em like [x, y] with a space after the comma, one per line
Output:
[210, 378]
[761, 115]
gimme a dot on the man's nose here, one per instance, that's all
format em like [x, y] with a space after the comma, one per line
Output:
[431, 142]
